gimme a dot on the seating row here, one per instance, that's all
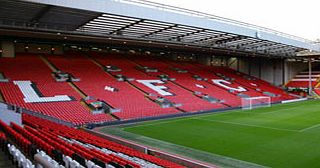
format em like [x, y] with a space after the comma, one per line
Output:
[35, 88]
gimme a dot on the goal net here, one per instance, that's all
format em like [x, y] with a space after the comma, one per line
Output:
[255, 102]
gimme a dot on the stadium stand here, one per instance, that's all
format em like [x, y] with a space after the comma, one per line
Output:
[301, 80]
[181, 80]
[299, 84]
[258, 85]
[67, 67]
[22, 68]
[185, 88]
[179, 95]
[252, 86]
[90, 73]
[62, 145]
[84, 147]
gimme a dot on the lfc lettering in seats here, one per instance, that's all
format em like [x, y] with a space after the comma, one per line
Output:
[32, 94]
[162, 90]
[224, 84]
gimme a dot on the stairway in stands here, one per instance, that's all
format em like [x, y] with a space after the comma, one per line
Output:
[192, 82]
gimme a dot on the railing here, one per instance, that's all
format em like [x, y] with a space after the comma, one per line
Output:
[174, 9]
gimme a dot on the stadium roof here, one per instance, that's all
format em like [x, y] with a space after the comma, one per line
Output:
[149, 22]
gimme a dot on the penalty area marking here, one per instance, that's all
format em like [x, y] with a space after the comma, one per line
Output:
[279, 110]
[309, 128]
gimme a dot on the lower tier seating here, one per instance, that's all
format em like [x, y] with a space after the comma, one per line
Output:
[301, 80]
[22, 68]
[134, 85]
[301, 84]
[82, 146]
[131, 102]
[61, 146]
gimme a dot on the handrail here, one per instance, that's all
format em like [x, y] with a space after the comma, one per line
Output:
[174, 9]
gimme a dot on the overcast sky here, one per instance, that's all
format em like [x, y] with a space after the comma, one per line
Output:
[296, 17]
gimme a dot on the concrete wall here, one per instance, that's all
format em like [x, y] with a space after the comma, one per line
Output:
[58, 50]
[213, 60]
[244, 65]
[275, 71]
[255, 67]
[39, 48]
[8, 49]
[19, 48]
[8, 116]
[293, 68]
[204, 60]
[279, 72]
[270, 70]
[267, 71]
[232, 63]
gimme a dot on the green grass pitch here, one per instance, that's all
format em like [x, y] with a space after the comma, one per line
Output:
[285, 135]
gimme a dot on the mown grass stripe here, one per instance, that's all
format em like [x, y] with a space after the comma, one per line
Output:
[248, 125]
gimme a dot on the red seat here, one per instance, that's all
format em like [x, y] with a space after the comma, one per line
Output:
[49, 131]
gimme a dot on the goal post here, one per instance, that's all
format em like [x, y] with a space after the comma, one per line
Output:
[255, 102]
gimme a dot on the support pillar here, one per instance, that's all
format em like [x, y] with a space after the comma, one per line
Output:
[310, 82]
[8, 49]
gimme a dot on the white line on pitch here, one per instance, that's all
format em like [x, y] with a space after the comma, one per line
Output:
[270, 112]
[308, 128]
[249, 125]
[273, 111]
[161, 122]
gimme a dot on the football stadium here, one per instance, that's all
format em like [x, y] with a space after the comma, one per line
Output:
[140, 84]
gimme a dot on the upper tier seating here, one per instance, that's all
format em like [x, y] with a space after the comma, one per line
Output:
[254, 83]
[179, 95]
[188, 82]
[253, 86]
[130, 101]
[35, 88]
[301, 84]
[32, 68]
